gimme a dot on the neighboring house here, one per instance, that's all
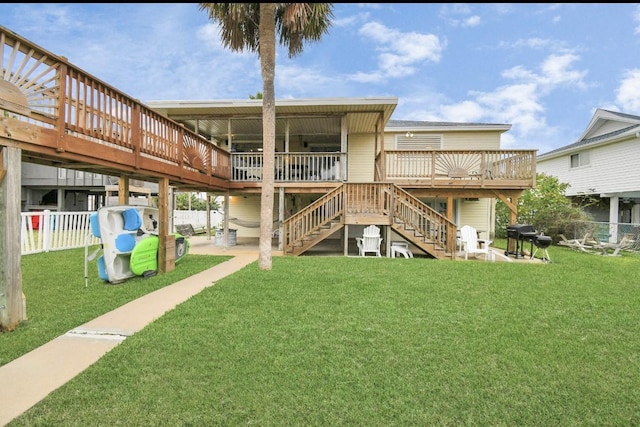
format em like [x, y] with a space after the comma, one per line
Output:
[456, 169]
[67, 190]
[602, 163]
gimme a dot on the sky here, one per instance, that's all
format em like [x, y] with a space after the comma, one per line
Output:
[543, 68]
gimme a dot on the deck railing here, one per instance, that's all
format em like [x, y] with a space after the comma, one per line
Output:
[479, 166]
[296, 167]
[72, 102]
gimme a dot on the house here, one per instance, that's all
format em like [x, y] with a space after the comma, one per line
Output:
[341, 164]
[455, 169]
[602, 163]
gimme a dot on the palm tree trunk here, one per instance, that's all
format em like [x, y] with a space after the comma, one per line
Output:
[268, 64]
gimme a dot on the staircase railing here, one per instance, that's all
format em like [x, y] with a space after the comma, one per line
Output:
[368, 198]
[426, 222]
[426, 225]
[312, 218]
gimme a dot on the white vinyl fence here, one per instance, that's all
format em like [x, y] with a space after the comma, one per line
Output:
[46, 231]
[51, 231]
[197, 218]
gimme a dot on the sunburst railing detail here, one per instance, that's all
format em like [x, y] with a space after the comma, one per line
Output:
[33, 73]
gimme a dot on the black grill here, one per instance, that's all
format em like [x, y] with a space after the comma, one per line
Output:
[542, 242]
[519, 233]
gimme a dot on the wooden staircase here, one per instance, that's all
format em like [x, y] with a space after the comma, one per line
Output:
[423, 226]
[384, 203]
[317, 236]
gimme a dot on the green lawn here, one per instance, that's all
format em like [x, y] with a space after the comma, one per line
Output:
[337, 341]
[58, 301]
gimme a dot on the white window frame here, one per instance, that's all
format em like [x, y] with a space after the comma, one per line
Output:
[579, 160]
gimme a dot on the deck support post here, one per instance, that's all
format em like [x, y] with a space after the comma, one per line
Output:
[12, 302]
[166, 243]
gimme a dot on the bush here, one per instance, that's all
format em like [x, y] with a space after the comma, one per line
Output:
[545, 207]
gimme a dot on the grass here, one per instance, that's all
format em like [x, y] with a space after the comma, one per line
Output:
[58, 301]
[334, 341]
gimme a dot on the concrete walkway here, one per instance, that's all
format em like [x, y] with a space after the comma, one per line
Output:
[30, 378]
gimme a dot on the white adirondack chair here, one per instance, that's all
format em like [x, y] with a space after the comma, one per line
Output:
[472, 245]
[370, 241]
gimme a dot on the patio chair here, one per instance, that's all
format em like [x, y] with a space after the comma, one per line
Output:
[579, 244]
[401, 248]
[472, 245]
[370, 241]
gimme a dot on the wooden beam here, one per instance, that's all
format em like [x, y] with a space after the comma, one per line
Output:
[166, 243]
[12, 303]
[123, 190]
[3, 172]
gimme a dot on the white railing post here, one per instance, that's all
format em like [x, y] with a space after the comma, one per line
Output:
[45, 229]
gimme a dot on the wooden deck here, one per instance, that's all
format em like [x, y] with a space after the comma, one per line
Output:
[59, 115]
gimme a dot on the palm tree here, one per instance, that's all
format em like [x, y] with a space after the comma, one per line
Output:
[252, 27]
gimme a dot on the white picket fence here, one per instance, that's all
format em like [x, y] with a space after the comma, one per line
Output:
[46, 231]
[51, 231]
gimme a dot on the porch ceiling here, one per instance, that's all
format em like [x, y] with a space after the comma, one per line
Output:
[303, 117]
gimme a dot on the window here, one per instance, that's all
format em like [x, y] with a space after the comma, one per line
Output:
[579, 159]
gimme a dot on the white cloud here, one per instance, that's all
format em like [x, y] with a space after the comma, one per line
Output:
[537, 44]
[400, 53]
[472, 21]
[465, 111]
[210, 35]
[628, 93]
[636, 19]
[556, 70]
[293, 79]
[519, 104]
[516, 104]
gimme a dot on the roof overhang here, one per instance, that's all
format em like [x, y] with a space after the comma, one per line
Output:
[213, 117]
[588, 144]
[440, 126]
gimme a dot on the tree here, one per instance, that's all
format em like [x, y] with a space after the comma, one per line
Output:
[184, 201]
[258, 95]
[252, 27]
[545, 207]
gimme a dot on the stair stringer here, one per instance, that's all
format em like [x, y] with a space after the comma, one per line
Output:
[313, 239]
[428, 246]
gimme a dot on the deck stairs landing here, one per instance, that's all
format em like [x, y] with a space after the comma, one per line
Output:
[408, 216]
